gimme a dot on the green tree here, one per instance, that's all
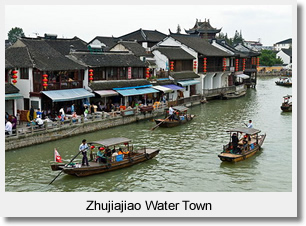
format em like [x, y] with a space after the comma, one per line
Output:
[268, 58]
[14, 34]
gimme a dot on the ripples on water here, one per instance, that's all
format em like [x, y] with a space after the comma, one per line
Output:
[188, 159]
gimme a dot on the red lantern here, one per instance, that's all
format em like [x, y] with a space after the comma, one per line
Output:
[45, 80]
[195, 64]
[171, 65]
[14, 77]
[243, 64]
[90, 75]
[257, 62]
[224, 64]
[204, 64]
[148, 73]
[236, 68]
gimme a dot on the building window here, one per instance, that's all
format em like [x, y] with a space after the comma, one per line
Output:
[24, 73]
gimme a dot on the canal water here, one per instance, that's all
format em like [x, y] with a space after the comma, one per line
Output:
[188, 160]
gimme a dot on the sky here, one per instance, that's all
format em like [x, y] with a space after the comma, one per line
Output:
[267, 23]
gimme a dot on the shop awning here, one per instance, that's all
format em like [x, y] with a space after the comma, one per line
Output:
[12, 96]
[174, 87]
[68, 94]
[106, 93]
[134, 92]
[188, 82]
[163, 89]
[243, 76]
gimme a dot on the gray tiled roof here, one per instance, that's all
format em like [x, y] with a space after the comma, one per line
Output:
[174, 53]
[135, 48]
[17, 57]
[184, 75]
[38, 53]
[287, 51]
[106, 85]
[200, 45]
[110, 59]
[10, 88]
[287, 41]
[108, 41]
[64, 45]
[144, 35]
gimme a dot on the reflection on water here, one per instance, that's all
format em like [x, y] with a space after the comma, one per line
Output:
[188, 159]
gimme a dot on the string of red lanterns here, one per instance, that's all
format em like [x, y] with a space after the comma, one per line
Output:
[243, 64]
[237, 64]
[224, 64]
[90, 75]
[171, 65]
[45, 80]
[257, 61]
[148, 73]
[14, 77]
[195, 65]
[204, 65]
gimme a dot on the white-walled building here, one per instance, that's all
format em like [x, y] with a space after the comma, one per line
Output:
[285, 44]
[285, 55]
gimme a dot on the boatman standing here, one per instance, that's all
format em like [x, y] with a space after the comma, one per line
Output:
[250, 124]
[83, 148]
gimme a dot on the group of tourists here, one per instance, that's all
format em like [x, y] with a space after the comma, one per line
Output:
[245, 139]
[102, 154]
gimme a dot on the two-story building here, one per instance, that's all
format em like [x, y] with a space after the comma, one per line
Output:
[47, 78]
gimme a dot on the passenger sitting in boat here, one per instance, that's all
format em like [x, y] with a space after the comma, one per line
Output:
[114, 156]
[108, 152]
[100, 155]
[120, 151]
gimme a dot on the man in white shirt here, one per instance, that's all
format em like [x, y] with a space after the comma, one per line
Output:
[39, 122]
[250, 124]
[83, 148]
[171, 113]
[8, 127]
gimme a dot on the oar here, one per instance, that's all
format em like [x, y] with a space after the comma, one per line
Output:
[64, 166]
[160, 123]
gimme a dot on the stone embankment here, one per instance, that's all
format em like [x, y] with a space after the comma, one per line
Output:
[37, 136]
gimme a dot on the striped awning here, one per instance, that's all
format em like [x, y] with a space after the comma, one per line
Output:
[67, 94]
[163, 89]
[134, 92]
[106, 93]
[12, 96]
[188, 82]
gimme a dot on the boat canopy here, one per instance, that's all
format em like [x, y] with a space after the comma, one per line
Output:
[180, 108]
[249, 131]
[111, 141]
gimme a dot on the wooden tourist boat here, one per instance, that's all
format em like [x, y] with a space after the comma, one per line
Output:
[284, 82]
[287, 104]
[180, 117]
[246, 147]
[113, 163]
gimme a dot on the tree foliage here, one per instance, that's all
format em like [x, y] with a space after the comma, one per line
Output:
[268, 58]
[14, 34]
[232, 41]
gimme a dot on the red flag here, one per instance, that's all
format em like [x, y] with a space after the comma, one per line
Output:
[58, 158]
